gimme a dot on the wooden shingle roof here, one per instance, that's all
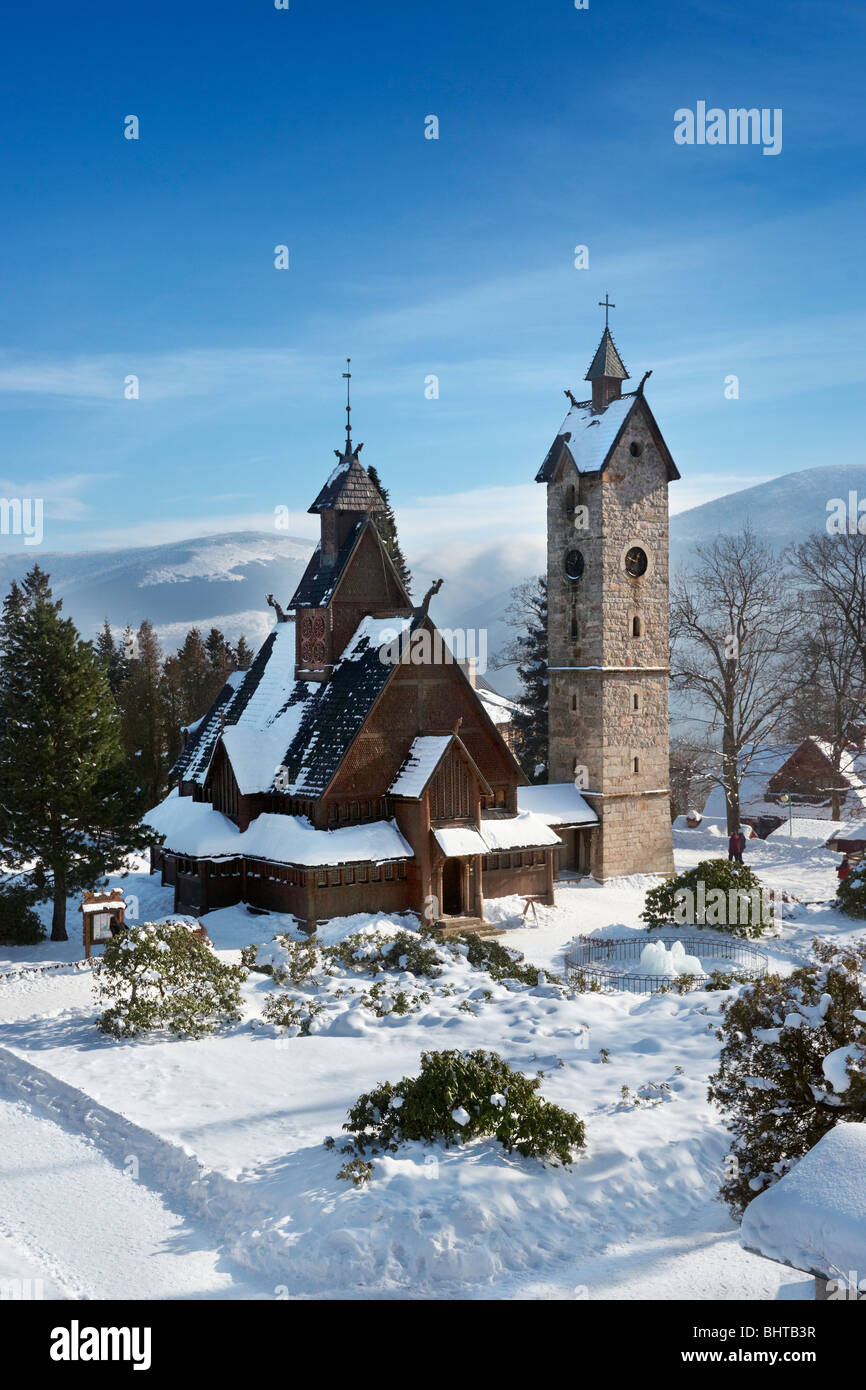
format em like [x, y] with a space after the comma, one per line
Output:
[349, 489]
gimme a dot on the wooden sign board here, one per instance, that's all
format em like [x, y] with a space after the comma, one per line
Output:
[103, 915]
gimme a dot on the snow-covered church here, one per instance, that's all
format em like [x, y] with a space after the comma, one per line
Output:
[355, 767]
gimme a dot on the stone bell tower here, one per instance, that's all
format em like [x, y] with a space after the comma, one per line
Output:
[607, 476]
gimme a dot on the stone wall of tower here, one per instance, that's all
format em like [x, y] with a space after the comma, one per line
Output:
[602, 720]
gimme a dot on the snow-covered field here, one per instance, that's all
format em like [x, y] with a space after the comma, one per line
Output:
[197, 1169]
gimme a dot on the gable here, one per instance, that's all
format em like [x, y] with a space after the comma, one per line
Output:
[453, 790]
[417, 701]
[587, 438]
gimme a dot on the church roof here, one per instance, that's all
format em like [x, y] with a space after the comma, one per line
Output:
[256, 713]
[589, 435]
[349, 489]
[607, 361]
[338, 707]
[197, 829]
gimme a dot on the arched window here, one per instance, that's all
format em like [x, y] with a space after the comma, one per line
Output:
[635, 700]
[636, 764]
[575, 625]
[635, 626]
[570, 499]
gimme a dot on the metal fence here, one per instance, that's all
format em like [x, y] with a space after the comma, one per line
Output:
[605, 961]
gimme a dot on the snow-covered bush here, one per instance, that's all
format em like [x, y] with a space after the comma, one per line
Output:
[715, 893]
[20, 925]
[460, 1096]
[284, 958]
[851, 893]
[371, 952]
[289, 1012]
[496, 959]
[160, 975]
[792, 1066]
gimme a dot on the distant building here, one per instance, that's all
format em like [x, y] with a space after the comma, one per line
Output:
[793, 781]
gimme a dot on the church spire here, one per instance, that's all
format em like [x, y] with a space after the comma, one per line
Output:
[607, 371]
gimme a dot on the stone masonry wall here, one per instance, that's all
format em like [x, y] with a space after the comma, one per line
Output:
[602, 720]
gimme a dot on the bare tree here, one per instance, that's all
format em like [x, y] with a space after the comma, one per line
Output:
[832, 646]
[833, 567]
[732, 626]
[692, 773]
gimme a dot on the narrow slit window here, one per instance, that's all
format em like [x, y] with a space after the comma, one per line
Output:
[635, 626]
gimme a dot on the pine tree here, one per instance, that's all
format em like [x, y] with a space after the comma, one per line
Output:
[243, 655]
[219, 652]
[527, 614]
[113, 658]
[191, 683]
[386, 525]
[69, 813]
[143, 722]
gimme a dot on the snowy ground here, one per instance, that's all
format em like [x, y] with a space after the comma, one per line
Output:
[197, 1169]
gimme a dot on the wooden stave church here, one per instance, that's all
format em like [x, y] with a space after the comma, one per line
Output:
[396, 789]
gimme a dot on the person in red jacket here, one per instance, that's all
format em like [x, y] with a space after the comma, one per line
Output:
[843, 869]
[734, 853]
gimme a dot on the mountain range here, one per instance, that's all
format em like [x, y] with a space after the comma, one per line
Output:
[222, 580]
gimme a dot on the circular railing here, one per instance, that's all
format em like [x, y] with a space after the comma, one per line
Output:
[608, 961]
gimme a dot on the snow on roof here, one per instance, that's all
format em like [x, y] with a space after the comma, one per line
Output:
[814, 1218]
[421, 762]
[378, 634]
[194, 828]
[802, 828]
[590, 435]
[848, 830]
[105, 906]
[523, 831]
[455, 840]
[499, 708]
[556, 803]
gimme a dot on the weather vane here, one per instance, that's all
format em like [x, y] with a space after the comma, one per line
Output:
[347, 377]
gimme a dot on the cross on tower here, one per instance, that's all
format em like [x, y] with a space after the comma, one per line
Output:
[606, 305]
[347, 377]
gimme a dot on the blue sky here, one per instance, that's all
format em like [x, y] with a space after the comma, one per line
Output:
[452, 257]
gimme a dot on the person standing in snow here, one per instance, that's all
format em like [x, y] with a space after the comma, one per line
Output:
[843, 869]
[741, 846]
[733, 846]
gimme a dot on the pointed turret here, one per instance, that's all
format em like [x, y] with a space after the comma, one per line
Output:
[607, 372]
[349, 495]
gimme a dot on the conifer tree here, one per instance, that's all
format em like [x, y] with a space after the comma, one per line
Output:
[527, 650]
[243, 654]
[386, 525]
[113, 658]
[143, 717]
[69, 812]
[220, 653]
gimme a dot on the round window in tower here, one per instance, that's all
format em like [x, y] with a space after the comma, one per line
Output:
[574, 564]
[636, 562]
